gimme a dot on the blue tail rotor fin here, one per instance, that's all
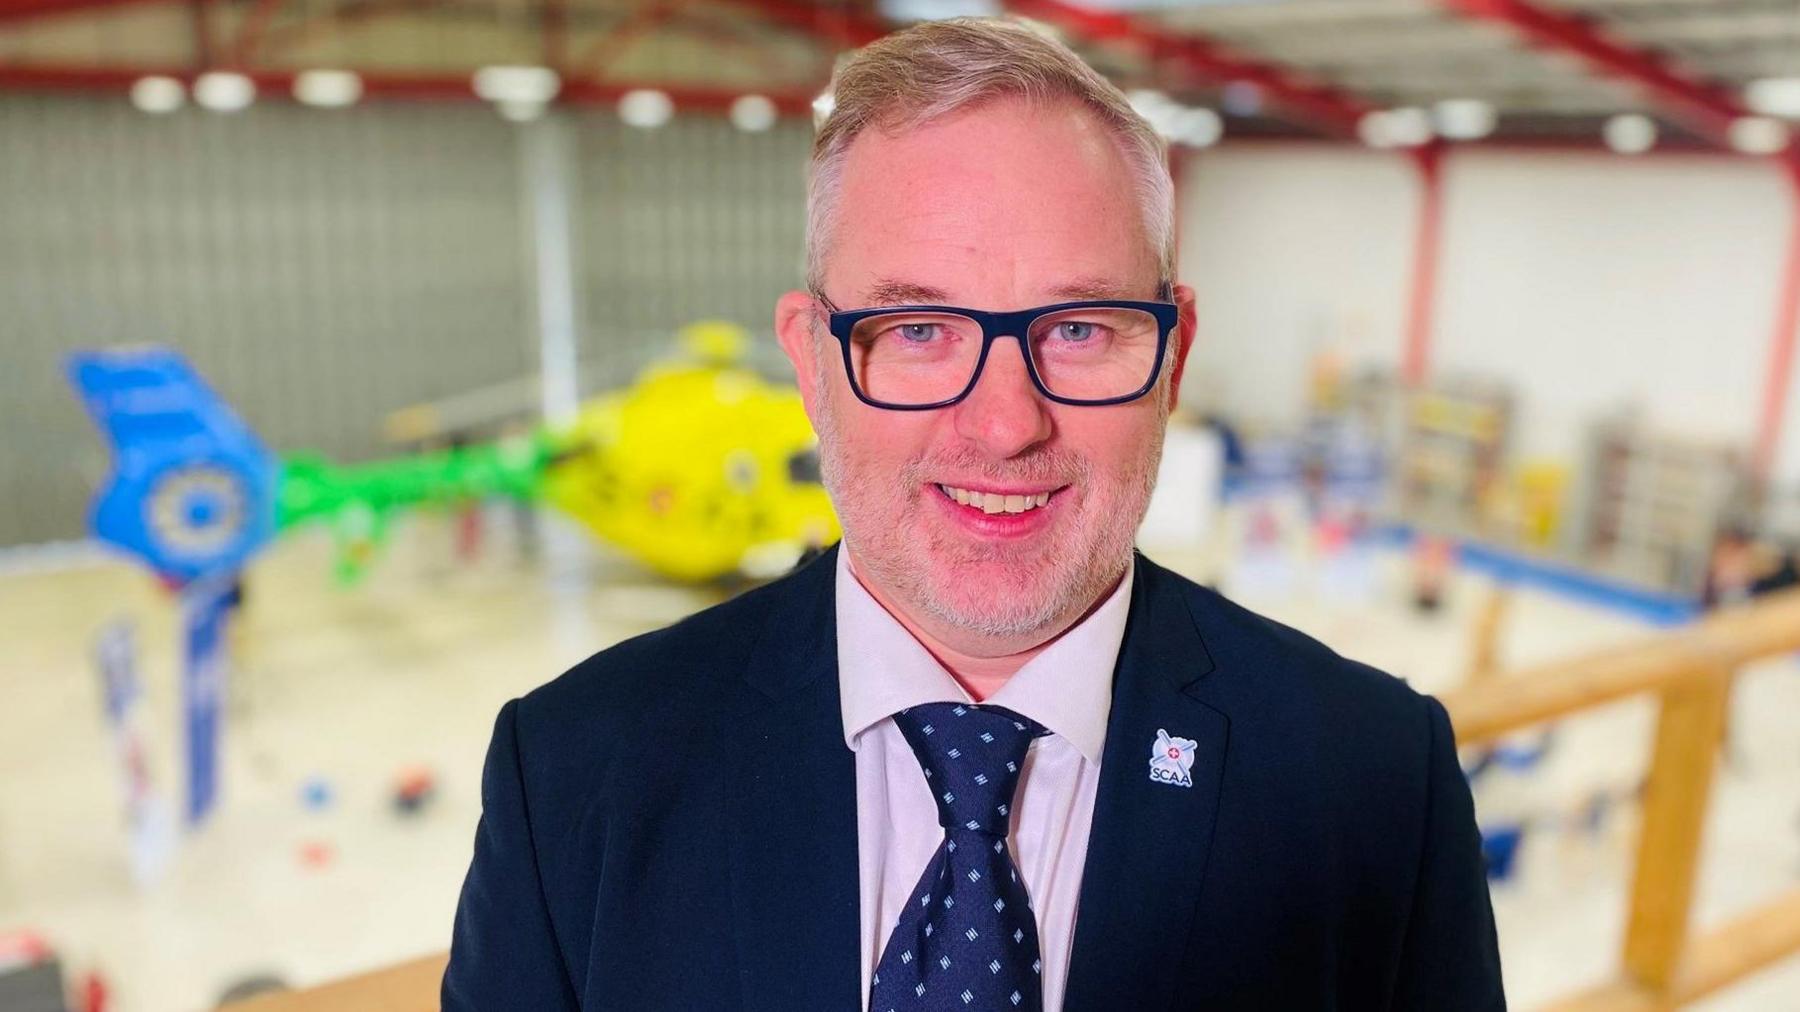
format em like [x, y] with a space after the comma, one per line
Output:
[192, 491]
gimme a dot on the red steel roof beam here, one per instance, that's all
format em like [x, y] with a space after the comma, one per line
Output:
[844, 25]
[1705, 108]
[1297, 98]
[279, 40]
[617, 40]
[248, 43]
[441, 87]
[26, 10]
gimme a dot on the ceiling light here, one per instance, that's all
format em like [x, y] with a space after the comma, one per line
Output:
[1758, 135]
[517, 84]
[822, 107]
[646, 108]
[1197, 128]
[1395, 128]
[1630, 133]
[1153, 105]
[1373, 129]
[519, 110]
[328, 89]
[752, 113]
[157, 94]
[1775, 96]
[907, 11]
[224, 90]
[1158, 109]
[1409, 126]
[1241, 98]
[1464, 119]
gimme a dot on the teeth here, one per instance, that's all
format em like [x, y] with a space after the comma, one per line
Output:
[990, 502]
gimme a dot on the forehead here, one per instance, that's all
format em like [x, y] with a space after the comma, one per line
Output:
[1006, 200]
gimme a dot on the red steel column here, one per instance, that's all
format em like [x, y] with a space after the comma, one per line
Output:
[1415, 366]
[1781, 343]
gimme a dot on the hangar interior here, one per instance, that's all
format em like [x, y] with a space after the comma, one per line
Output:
[1492, 389]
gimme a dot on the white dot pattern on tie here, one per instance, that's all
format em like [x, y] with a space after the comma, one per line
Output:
[972, 754]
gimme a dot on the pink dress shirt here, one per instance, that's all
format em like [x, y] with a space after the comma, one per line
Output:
[1067, 688]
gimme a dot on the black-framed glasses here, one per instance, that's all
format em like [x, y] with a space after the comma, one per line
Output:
[914, 358]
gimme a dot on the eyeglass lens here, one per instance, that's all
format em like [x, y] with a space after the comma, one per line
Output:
[1082, 354]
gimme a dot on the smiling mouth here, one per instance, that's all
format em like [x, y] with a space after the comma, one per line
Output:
[995, 502]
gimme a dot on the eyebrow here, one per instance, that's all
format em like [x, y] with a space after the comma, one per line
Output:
[893, 292]
[1093, 288]
[897, 292]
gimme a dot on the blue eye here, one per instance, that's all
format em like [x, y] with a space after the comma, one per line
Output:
[917, 332]
[1074, 330]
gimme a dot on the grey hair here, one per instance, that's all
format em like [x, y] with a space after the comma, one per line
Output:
[936, 68]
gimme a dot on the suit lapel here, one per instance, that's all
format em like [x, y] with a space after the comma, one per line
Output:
[793, 835]
[1148, 849]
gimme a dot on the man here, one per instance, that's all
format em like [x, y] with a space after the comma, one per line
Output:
[981, 755]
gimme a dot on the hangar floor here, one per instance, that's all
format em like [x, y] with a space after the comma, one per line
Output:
[347, 688]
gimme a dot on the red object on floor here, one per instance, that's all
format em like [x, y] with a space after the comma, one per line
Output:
[317, 854]
[93, 993]
[468, 532]
[22, 948]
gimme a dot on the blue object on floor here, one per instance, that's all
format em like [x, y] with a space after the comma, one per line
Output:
[1499, 847]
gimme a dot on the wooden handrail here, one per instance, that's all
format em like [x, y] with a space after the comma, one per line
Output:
[1690, 669]
[1507, 702]
[409, 987]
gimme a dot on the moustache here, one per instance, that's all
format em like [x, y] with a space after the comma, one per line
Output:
[1040, 467]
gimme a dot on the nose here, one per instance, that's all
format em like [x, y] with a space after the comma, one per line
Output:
[1004, 415]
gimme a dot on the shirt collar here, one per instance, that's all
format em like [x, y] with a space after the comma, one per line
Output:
[1067, 688]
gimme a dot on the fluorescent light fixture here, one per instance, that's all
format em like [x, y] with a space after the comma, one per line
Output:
[1464, 119]
[1373, 129]
[1406, 127]
[907, 11]
[517, 84]
[1758, 135]
[646, 108]
[328, 89]
[752, 113]
[1241, 98]
[1149, 102]
[822, 107]
[1629, 133]
[1157, 108]
[1775, 96]
[1197, 128]
[158, 94]
[224, 91]
[520, 110]
[1409, 126]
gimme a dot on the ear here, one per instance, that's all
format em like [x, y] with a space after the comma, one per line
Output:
[1184, 339]
[794, 315]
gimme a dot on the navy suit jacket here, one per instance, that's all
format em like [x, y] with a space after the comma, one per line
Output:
[672, 825]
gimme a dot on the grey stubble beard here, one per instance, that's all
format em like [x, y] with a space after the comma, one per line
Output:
[1016, 613]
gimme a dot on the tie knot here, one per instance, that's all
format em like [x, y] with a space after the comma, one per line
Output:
[971, 755]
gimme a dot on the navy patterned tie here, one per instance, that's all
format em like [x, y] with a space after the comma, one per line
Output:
[967, 939]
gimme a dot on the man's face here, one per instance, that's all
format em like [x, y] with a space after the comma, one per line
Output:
[1004, 206]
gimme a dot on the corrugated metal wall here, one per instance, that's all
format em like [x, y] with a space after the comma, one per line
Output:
[324, 268]
[694, 220]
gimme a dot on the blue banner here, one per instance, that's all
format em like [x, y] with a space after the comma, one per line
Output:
[205, 608]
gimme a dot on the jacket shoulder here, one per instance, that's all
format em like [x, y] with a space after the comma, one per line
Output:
[666, 675]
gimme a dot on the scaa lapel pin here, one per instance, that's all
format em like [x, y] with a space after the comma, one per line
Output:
[1171, 759]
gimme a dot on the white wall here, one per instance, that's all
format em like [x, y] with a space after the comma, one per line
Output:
[1294, 250]
[1585, 280]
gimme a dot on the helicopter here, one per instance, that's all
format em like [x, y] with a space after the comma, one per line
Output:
[700, 469]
